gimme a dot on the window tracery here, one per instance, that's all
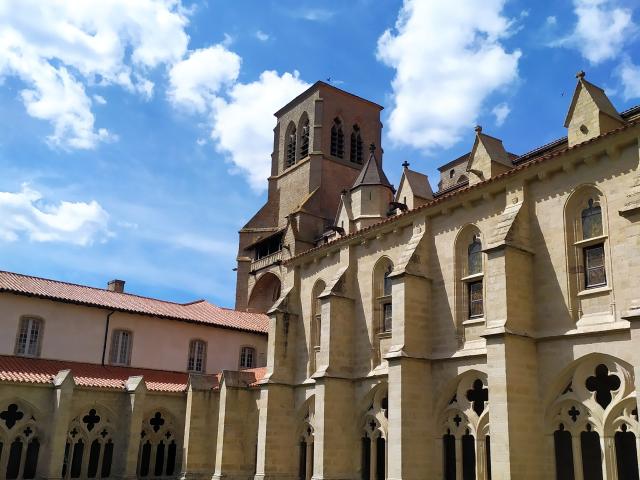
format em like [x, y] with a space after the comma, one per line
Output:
[158, 454]
[374, 427]
[593, 415]
[19, 441]
[89, 449]
[464, 423]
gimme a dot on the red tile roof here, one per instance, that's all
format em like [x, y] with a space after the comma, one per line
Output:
[40, 370]
[200, 311]
[43, 371]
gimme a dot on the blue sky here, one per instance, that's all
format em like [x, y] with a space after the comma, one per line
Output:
[135, 136]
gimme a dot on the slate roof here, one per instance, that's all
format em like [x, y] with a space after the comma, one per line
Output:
[199, 311]
[419, 183]
[372, 173]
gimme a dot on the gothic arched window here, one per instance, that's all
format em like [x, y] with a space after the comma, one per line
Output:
[291, 146]
[158, 448]
[356, 146]
[197, 356]
[304, 139]
[475, 296]
[593, 255]
[337, 139]
[29, 337]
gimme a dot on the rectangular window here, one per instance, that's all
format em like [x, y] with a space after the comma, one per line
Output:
[197, 355]
[476, 304]
[121, 341]
[247, 357]
[594, 272]
[28, 339]
[387, 316]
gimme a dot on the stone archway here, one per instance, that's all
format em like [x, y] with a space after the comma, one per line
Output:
[264, 293]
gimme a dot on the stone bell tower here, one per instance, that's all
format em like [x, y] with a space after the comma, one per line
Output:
[320, 146]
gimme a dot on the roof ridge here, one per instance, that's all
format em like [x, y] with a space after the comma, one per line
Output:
[95, 288]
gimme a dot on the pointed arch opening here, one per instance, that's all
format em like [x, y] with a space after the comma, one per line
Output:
[264, 293]
[304, 130]
[337, 138]
[356, 150]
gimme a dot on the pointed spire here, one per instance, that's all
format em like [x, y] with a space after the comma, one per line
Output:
[372, 173]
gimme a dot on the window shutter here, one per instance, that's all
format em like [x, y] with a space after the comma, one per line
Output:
[114, 347]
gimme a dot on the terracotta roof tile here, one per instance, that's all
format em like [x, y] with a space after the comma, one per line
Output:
[40, 370]
[199, 312]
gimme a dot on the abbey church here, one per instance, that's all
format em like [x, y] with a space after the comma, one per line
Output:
[482, 325]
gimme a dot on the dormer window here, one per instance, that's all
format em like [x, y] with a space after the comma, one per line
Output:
[356, 146]
[337, 139]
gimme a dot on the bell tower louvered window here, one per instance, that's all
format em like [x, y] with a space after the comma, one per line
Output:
[356, 146]
[337, 139]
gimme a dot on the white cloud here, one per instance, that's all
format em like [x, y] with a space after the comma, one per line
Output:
[263, 37]
[99, 99]
[501, 112]
[58, 48]
[448, 59]
[25, 214]
[195, 81]
[602, 29]
[629, 74]
[314, 14]
[243, 123]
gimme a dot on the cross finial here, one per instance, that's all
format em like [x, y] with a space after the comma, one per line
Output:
[405, 164]
[478, 129]
[580, 75]
[372, 147]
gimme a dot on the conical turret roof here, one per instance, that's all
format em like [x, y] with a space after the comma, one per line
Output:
[372, 173]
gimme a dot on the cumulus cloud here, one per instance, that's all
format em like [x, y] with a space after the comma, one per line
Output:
[243, 122]
[501, 112]
[602, 29]
[448, 59]
[57, 48]
[25, 214]
[196, 80]
[629, 74]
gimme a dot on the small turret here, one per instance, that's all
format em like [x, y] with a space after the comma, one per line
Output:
[414, 189]
[371, 193]
[487, 159]
[591, 113]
